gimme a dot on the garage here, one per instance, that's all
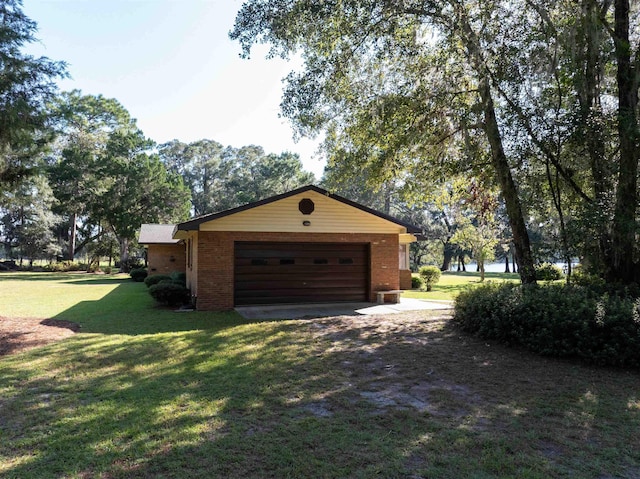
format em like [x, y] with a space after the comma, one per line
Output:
[303, 246]
[280, 272]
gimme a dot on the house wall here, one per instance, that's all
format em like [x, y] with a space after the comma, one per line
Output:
[215, 265]
[405, 279]
[403, 264]
[159, 258]
[329, 216]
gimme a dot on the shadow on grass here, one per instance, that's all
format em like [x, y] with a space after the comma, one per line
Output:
[129, 309]
[450, 288]
[77, 277]
[156, 393]
[29, 276]
[313, 399]
[58, 323]
[99, 279]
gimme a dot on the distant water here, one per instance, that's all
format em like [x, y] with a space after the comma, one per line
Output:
[499, 267]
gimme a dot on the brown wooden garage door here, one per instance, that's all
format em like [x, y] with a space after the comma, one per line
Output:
[272, 273]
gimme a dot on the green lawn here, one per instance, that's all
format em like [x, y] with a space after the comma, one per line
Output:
[451, 284]
[147, 392]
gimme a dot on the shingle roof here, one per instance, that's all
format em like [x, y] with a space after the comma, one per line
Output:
[157, 234]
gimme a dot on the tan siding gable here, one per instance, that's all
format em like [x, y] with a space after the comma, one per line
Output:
[329, 216]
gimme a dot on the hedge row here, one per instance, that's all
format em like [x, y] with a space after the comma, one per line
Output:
[565, 321]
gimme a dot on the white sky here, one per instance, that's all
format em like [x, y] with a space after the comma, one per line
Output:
[172, 65]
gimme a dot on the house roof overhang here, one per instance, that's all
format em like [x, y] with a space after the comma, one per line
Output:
[157, 234]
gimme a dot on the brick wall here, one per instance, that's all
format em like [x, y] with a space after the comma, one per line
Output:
[159, 258]
[405, 279]
[216, 261]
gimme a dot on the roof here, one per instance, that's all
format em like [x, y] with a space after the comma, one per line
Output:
[194, 224]
[157, 234]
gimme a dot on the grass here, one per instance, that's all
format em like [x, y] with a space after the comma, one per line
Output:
[451, 283]
[148, 392]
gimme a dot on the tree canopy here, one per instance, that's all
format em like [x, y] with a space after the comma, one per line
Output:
[537, 100]
[27, 84]
[221, 177]
[527, 95]
[103, 172]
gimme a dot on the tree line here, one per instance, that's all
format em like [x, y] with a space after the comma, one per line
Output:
[100, 178]
[78, 175]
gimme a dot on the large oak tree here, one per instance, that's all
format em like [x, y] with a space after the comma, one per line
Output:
[418, 91]
[393, 83]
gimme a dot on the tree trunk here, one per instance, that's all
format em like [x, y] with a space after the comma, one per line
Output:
[386, 191]
[597, 247]
[461, 265]
[589, 97]
[499, 161]
[506, 263]
[73, 231]
[501, 167]
[481, 268]
[621, 266]
[556, 194]
[448, 251]
[124, 255]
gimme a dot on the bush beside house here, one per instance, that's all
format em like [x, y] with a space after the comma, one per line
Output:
[169, 293]
[138, 274]
[169, 289]
[155, 279]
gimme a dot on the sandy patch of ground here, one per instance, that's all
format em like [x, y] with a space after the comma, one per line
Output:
[20, 334]
[382, 365]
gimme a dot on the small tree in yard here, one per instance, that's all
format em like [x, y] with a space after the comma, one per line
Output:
[430, 275]
[481, 240]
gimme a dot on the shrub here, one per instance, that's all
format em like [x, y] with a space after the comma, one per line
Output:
[8, 265]
[555, 320]
[107, 269]
[179, 278]
[62, 267]
[130, 264]
[416, 282]
[155, 279]
[599, 286]
[138, 275]
[53, 267]
[430, 275]
[583, 278]
[548, 272]
[167, 292]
